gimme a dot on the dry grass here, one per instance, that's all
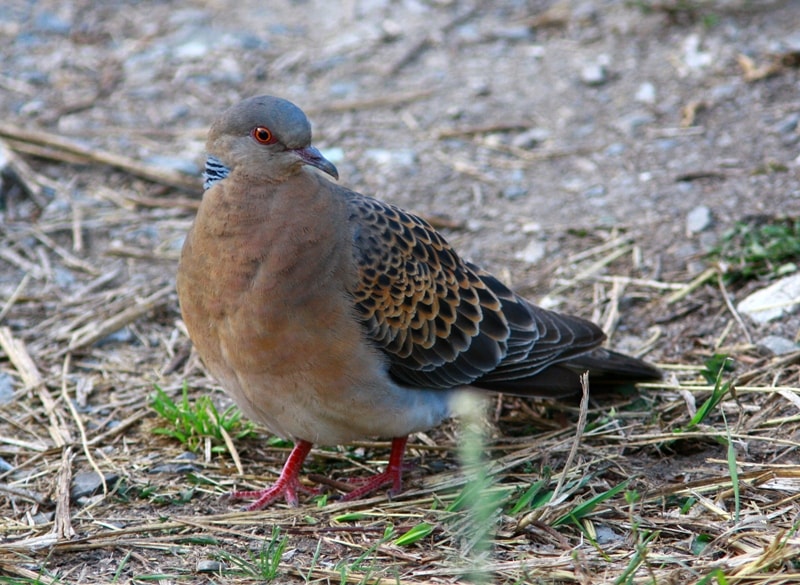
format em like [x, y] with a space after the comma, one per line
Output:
[91, 324]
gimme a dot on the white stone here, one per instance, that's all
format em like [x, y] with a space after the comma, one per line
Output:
[774, 301]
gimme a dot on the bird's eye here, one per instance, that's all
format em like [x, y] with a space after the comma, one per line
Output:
[262, 135]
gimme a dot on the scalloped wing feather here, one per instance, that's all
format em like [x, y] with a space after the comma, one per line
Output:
[443, 322]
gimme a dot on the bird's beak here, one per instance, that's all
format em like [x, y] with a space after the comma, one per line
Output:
[313, 157]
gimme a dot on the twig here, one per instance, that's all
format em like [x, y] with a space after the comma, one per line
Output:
[481, 129]
[18, 355]
[69, 259]
[123, 425]
[612, 314]
[62, 524]
[231, 448]
[15, 295]
[578, 434]
[381, 101]
[726, 297]
[418, 45]
[590, 270]
[94, 331]
[694, 284]
[31, 181]
[124, 163]
[81, 430]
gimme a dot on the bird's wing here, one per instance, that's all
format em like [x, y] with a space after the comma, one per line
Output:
[443, 322]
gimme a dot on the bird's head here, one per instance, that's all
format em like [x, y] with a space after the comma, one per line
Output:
[268, 136]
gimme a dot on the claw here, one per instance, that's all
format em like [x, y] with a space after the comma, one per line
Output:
[287, 485]
[393, 474]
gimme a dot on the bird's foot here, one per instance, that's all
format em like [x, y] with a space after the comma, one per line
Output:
[287, 485]
[286, 489]
[392, 475]
[368, 485]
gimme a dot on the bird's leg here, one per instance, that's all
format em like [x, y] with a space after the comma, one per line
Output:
[287, 485]
[391, 475]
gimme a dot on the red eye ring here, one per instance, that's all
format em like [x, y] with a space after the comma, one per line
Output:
[262, 135]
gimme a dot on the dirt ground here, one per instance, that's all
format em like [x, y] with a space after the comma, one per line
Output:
[588, 153]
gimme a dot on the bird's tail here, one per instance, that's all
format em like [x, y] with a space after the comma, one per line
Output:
[608, 370]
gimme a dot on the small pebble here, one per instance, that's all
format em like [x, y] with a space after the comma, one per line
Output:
[693, 56]
[606, 535]
[532, 227]
[182, 465]
[594, 74]
[208, 566]
[87, 483]
[777, 345]
[698, 219]
[646, 93]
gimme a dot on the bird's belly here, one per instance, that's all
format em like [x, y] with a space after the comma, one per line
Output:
[319, 382]
[311, 406]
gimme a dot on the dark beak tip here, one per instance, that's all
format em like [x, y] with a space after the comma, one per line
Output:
[313, 157]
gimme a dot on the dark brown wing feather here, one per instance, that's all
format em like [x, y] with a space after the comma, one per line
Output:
[443, 322]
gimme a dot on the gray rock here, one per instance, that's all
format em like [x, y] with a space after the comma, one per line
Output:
[181, 465]
[777, 345]
[208, 566]
[87, 483]
[698, 219]
[774, 301]
[606, 535]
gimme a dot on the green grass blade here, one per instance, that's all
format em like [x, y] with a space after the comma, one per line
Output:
[588, 507]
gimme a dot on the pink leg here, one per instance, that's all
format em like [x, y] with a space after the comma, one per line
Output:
[391, 475]
[287, 484]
